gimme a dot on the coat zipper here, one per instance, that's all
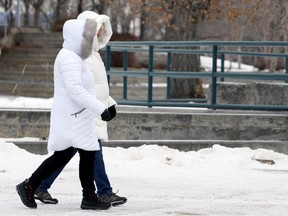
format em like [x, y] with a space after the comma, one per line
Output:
[75, 114]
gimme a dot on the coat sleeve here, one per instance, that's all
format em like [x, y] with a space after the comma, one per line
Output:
[71, 69]
[111, 101]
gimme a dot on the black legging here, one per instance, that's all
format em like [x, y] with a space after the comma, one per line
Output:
[61, 158]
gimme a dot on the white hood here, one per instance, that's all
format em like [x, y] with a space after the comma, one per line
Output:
[104, 20]
[78, 36]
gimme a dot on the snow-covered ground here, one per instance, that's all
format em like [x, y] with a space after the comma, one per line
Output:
[161, 181]
[158, 181]
[15, 102]
[229, 66]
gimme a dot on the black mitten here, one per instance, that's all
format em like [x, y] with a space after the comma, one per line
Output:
[105, 116]
[112, 111]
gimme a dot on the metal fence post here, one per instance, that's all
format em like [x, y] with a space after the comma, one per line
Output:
[169, 66]
[214, 78]
[125, 67]
[150, 75]
[108, 61]
[286, 67]
[222, 65]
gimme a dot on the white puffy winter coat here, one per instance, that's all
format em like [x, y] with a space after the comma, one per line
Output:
[74, 103]
[97, 67]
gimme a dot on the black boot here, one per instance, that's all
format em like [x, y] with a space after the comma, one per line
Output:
[26, 193]
[45, 197]
[113, 198]
[92, 202]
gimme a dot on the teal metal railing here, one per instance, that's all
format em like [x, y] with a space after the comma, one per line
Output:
[211, 48]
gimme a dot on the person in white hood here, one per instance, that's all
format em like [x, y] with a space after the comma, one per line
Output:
[96, 65]
[75, 105]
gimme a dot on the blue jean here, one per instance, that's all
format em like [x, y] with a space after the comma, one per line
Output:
[100, 176]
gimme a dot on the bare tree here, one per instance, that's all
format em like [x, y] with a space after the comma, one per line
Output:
[142, 20]
[120, 16]
[181, 25]
[101, 6]
[6, 4]
[153, 16]
[58, 8]
[275, 25]
[37, 7]
[79, 8]
[253, 20]
[179, 19]
[239, 17]
[27, 12]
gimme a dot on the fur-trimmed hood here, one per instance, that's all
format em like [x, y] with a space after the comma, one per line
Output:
[102, 20]
[79, 35]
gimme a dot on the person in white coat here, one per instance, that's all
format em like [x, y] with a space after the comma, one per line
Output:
[75, 105]
[96, 65]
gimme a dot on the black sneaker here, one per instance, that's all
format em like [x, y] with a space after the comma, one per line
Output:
[45, 197]
[26, 194]
[93, 202]
[114, 199]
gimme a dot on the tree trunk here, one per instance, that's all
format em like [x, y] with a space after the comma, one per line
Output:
[183, 27]
[37, 22]
[102, 6]
[57, 10]
[37, 7]
[79, 8]
[26, 14]
[142, 20]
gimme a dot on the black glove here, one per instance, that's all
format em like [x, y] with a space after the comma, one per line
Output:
[105, 116]
[112, 111]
